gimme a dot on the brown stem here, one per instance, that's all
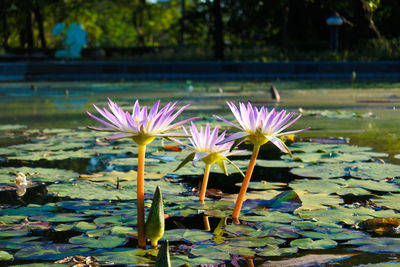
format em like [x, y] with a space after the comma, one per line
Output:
[140, 197]
[245, 184]
[205, 182]
[206, 222]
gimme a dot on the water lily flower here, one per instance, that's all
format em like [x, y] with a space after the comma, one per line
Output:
[143, 127]
[258, 126]
[207, 147]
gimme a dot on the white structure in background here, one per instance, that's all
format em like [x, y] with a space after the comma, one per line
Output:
[75, 40]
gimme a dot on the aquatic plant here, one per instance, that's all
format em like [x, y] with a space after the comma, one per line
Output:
[258, 126]
[207, 148]
[155, 224]
[142, 127]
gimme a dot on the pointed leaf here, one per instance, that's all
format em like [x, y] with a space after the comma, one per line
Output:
[163, 259]
[190, 157]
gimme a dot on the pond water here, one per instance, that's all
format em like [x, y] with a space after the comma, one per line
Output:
[334, 202]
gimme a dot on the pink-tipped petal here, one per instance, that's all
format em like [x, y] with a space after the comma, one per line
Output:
[293, 132]
[233, 137]
[279, 143]
[119, 136]
[229, 122]
[199, 155]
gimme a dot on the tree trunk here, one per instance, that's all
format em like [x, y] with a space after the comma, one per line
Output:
[6, 31]
[284, 26]
[28, 29]
[218, 31]
[138, 22]
[364, 23]
[39, 19]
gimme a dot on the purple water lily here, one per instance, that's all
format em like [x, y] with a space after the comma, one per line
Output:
[260, 126]
[257, 126]
[207, 147]
[141, 126]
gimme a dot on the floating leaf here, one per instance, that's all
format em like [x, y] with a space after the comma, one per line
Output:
[182, 260]
[376, 245]
[124, 256]
[333, 233]
[105, 241]
[50, 252]
[364, 170]
[308, 243]
[285, 201]
[37, 174]
[390, 201]
[190, 235]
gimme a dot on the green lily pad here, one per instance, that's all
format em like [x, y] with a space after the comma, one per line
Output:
[333, 233]
[124, 256]
[50, 252]
[19, 242]
[317, 201]
[263, 185]
[26, 225]
[252, 242]
[37, 174]
[376, 245]
[6, 219]
[308, 243]
[236, 250]
[349, 216]
[29, 210]
[364, 170]
[211, 252]
[275, 251]
[5, 256]
[190, 235]
[390, 201]
[59, 217]
[105, 241]
[123, 231]
[182, 260]
[278, 163]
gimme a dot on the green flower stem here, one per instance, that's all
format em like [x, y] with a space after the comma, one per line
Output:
[205, 182]
[245, 184]
[140, 197]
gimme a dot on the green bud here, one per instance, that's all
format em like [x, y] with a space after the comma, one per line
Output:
[155, 223]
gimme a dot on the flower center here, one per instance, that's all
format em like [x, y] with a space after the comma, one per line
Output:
[143, 139]
[212, 158]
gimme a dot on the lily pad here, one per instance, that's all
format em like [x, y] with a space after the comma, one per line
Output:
[190, 235]
[333, 233]
[364, 170]
[390, 201]
[50, 252]
[37, 174]
[105, 241]
[124, 256]
[308, 243]
[377, 245]
[181, 260]
[211, 252]
[275, 251]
